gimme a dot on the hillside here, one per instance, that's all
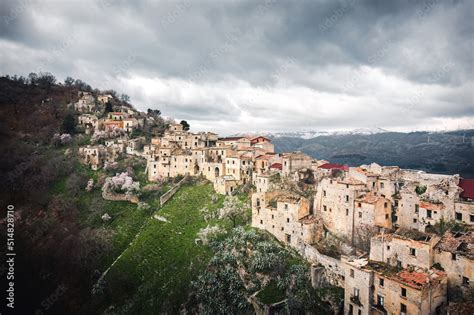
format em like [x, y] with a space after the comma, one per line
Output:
[444, 153]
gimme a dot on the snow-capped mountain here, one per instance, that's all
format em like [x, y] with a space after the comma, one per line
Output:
[314, 134]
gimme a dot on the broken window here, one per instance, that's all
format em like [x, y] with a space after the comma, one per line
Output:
[380, 300]
[403, 309]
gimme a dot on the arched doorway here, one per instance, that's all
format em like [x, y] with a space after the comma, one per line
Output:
[216, 172]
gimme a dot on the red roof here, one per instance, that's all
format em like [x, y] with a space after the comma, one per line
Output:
[330, 166]
[259, 139]
[467, 186]
[277, 166]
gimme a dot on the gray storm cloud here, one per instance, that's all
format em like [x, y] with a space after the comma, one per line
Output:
[236, 66]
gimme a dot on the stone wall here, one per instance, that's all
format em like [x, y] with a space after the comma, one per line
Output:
[166, 196]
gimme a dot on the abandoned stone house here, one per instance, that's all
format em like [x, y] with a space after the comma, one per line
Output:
[404, 249]
[370, 287]
[90, 122]
[95, 156]
[92, 156]
[104, 98]
[294, 161]
[464, 205]
[286, 215]
[455, 254]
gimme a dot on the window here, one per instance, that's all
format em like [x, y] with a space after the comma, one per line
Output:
[325, 208]
[417, 208]
[356, 292]
[453, 256]
[388, 247]
[381, 281]
[414, 220]
[404, 292]
[465, 281]
[359, 205]
[286, 206]
[403, 308]
[352, 273]
[347, 211]
[429, 214]
[288, 238]
[385, 205]
[273, 217]
[380, 300]
[382, 185]
[324, 193]
[359, 312]
[360, 214]
[347, 198]
[471, 218]
[261, 221]
[412, 251]
[386, 217]
[459, 216]
[288, 220]
[282, 228]
[373, 184]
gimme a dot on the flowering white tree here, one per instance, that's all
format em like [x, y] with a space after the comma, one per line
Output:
[121, 183]
[208, 232]
[233, 210]
[61, 139]
[106, 134]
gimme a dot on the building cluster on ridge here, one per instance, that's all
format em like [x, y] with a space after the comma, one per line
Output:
[398, 251]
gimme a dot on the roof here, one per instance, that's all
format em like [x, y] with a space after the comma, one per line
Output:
[467, 185]
[255, 139]
[369, 198]
[431, 206]
[230, 138]
[459, 243]
[329, 166]
[276, 166]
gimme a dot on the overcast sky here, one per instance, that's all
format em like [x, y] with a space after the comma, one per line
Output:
[275, 65]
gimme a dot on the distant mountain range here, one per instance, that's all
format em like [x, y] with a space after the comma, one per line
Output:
[450, 152]
[314, 133]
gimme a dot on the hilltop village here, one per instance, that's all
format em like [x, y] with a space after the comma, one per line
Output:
[398, 241]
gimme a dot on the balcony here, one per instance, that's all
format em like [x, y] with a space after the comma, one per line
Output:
[379, 309]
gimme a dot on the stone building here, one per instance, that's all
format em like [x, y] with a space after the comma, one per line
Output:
[285, 215]
[455, 254]
[404, 249]
[374, 288]
[294, 161]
